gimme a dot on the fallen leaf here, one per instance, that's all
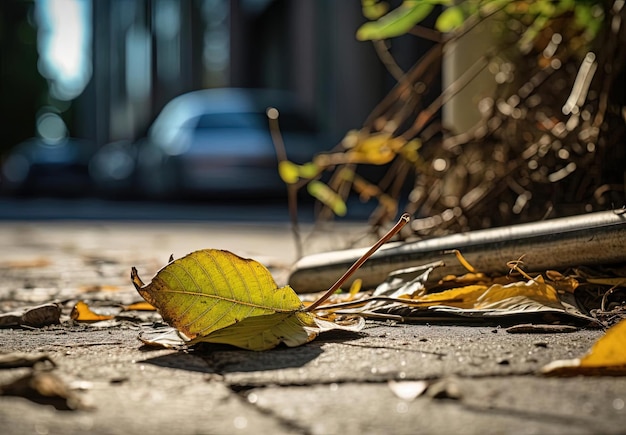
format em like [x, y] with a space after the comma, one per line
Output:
[44, 388]
[218, 297]
[266, 331]
[166, 337]
[13, 318]
[497, 295]
[42, 315]
[562, 282]
[139, 306]
[170, 338]
[27, 264]
[100, 288]
[409, 281]
[18, 359]
[35, 317]
[82, 313]
[607, 357]
[486, 298]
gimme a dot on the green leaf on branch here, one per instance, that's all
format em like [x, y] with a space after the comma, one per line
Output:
[291, 173]
[397, 22]
[374, 9]
[450, 19]
[328, 197]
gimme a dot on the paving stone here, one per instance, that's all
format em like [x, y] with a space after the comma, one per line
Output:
[339, 383]
[512, 404]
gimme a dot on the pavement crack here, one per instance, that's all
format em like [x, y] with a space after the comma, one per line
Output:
[104, 343]
[247, 396]
[548, 417]
[404, 349]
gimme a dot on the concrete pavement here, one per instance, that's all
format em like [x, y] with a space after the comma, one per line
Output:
[476, 379]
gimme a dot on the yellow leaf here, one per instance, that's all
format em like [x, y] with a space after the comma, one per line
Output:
[266, 332]
[496, 296]
[291, 173]
[210, 289]
[99, 288]
[308, 170]
[139, 306]
[216, 296]
[82, 313]
[328, 197]
[610, 349]
[463, 297]
[502, 296]
[376, 149]
[606, 357]
[372, 149]
[562, 282]
[409, 151]
[288, 171]
[355, 287]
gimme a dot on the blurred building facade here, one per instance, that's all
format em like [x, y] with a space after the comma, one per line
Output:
[142, 53]
[148, 51]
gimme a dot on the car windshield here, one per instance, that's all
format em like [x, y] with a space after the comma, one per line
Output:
[289, 122]
[230, 120]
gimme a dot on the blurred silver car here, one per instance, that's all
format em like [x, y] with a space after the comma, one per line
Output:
[43, 167]
[112, 169]
[217, 141]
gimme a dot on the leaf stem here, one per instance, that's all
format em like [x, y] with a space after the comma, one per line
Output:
[404, 219]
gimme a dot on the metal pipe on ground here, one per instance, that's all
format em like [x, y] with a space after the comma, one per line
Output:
[591, 239]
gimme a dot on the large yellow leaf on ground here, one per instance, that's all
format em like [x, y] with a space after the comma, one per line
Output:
[606, 357]
[216, 296]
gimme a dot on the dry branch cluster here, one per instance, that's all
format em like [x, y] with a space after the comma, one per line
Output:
[550, 141]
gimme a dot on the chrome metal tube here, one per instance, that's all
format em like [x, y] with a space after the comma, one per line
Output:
[590, 239]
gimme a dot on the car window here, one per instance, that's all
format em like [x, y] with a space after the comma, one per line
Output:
[231, 120]
[288, 121]
[294, 122]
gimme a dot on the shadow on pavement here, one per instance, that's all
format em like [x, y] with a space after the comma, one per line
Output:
[222, 359]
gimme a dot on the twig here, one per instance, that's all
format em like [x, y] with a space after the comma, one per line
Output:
[404, 219]
[388, 60]
[292, 191]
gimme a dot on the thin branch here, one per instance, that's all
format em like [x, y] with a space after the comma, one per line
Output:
[387, 59]
[404, 219]
[292, 190]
